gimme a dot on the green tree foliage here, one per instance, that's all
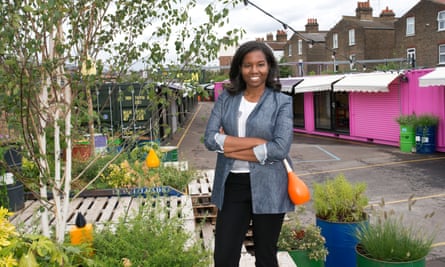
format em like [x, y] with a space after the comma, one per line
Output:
[52, 52]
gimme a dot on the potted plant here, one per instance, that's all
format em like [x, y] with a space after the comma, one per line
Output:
[339, 208]
[389, 240]
[304, 243]
[11, 189]
[407, 132]
[426, 126]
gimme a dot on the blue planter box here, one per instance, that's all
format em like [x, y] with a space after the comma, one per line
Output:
[154, 191]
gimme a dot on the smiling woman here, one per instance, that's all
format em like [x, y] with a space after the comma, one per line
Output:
[250, 128]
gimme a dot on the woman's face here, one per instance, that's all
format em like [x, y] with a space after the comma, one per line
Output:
[254, 69]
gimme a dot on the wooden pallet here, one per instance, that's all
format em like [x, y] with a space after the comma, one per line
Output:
[203, 183]
[101, 210]
[200, 190]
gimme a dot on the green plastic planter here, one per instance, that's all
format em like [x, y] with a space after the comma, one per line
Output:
[301, 259]
[407, 138]
[364, 261]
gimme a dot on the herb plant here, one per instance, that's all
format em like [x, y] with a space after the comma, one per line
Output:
[338, 200]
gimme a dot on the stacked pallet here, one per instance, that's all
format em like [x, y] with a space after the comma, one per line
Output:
[200, 190]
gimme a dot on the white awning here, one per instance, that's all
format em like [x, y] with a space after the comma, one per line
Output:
[287, 84]
[317, 83]
[434, 78]
[366, 82]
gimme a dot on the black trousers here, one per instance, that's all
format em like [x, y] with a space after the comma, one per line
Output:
[233, 222]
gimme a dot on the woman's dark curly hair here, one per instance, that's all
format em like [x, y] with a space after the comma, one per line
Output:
[237, 84]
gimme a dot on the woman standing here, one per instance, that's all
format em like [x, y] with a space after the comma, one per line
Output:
[250, 127]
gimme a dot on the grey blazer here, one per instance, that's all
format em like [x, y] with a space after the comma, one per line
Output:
[272, 119]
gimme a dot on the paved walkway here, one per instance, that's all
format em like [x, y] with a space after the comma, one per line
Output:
[389, 173]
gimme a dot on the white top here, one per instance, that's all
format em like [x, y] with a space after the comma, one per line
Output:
[245, 108]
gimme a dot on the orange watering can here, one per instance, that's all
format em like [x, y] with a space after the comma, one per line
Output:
[297, 189]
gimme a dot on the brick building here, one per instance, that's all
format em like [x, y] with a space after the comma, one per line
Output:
[420, 34]
[359, 42]
[277, 44]
[305, 51]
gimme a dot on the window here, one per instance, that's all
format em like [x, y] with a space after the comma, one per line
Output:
[289, 50]
[335, 41]
[322, 109]
[300, 47]
[351, 37]
[441, 21]
[441, 54]
[410, 29]
[352, 60]
[411, 56]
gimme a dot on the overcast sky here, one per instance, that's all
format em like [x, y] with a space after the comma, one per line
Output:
[296, 12]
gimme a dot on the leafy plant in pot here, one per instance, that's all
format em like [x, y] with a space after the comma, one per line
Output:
[407, 120]
[426, 126]
[339, 209]
[407, 132]
[303, 242]
[11, 189]
[388, 239]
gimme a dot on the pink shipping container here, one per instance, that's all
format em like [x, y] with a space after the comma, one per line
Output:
[363, 107]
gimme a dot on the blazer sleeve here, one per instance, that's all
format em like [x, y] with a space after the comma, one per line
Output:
[214, 123]
[278, 148]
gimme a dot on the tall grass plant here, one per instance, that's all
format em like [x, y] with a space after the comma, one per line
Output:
[391, 237]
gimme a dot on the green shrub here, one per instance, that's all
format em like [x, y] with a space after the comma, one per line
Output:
[426, 120]
[407, 120]
[338, 200]
[149, 239]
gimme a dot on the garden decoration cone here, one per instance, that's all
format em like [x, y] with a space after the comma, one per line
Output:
[82, 232]
[297, 189]
[152, 160]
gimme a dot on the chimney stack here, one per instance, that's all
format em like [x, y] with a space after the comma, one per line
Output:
[363, 11]
[387, 14]
[281, 36]
[312, 25]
